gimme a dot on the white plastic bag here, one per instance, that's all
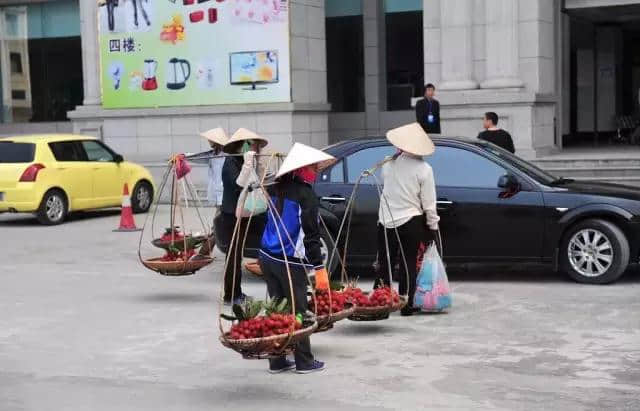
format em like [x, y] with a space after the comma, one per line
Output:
[432, 285]
[251, 202]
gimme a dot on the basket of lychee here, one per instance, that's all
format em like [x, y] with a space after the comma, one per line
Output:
[376, 305]
[177, 262]
[264, 330]
[330, 307]
[173, 237]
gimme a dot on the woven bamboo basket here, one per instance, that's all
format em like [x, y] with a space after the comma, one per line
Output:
[175, 268]
[267, 347]
[325, 322]
[377, 313]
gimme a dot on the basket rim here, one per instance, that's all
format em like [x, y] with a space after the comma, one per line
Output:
[382, 308]
[329, 317]
[158, 261]
[176, 268]
[251, 341]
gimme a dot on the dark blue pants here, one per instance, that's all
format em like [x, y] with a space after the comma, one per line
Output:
[275, 274]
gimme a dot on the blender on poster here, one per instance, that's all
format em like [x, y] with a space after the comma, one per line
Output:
[149, 81]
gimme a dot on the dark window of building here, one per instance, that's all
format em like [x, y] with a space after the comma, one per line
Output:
[18, 94]
[345, 55]
[42, 43]
[404, 50]
[16, 63]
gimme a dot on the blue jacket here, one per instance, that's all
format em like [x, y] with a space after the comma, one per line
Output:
[297, 205]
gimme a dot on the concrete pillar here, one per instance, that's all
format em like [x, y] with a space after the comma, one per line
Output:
[90, 52]
[456, 19]
[501, 44]
[375, 70]
[432, 41]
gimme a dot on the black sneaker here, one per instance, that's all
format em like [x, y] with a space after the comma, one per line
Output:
[289, 365]
[315, 367]
[407, 311]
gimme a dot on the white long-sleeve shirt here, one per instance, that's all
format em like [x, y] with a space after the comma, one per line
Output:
[214, 188]
[410, 191]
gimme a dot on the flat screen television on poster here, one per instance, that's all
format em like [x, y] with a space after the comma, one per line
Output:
[253, 67]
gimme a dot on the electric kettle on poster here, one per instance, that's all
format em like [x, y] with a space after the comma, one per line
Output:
[178, 72]
[150, 82]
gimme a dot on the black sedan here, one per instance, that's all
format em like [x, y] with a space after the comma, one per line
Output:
[494, 208]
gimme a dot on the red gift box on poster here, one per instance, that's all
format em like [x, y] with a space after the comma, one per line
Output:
[196, 16]
[188, 2]
[213, 15]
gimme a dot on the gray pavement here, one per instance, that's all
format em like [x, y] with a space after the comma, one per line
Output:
[83, 326]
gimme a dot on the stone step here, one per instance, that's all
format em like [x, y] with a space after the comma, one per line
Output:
[559, 162]
[605, 171]
[628, 181]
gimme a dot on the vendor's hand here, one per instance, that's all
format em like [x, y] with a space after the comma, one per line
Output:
[250, 158]
[322, 279]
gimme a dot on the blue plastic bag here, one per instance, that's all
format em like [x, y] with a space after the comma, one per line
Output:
[432, 285]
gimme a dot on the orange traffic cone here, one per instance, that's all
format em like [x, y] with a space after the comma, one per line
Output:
[126, 216]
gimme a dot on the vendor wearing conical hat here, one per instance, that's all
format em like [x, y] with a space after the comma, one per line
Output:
[244, 145]
[292, 237]
[408, 205]
[217, 138]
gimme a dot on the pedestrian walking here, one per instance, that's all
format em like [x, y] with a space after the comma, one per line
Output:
[408, 205]
[248, 144]
[217, 138]
[292, 239]
[495, 135]
[428, 111]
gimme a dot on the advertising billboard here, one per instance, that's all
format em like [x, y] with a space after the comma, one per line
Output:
[160, 53]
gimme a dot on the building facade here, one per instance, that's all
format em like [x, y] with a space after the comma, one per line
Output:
[559, 73]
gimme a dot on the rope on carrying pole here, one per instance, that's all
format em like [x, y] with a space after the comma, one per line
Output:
[175, 207]
[165, 178]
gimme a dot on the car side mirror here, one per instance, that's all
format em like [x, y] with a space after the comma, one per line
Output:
[118, 158]
[508, 183]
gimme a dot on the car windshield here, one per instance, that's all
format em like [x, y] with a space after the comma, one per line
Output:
[534, 172]
[11, 152]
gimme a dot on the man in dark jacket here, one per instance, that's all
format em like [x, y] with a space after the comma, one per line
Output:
[428, 111]
[496, 135]
[248, 144]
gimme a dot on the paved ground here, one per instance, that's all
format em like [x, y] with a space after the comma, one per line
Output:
[84, 327]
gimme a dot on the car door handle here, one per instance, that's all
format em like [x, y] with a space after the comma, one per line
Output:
[335, 199]
[444, 202]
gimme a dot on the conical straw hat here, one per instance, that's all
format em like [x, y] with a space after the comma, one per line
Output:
[242, 134]
[412, 139]
[301, 155]
[216, 135]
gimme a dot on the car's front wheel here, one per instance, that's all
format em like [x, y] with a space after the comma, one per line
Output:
[142, 197]
[594, 252]
[53, 208]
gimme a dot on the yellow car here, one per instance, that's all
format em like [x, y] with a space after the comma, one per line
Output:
[52, 175]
